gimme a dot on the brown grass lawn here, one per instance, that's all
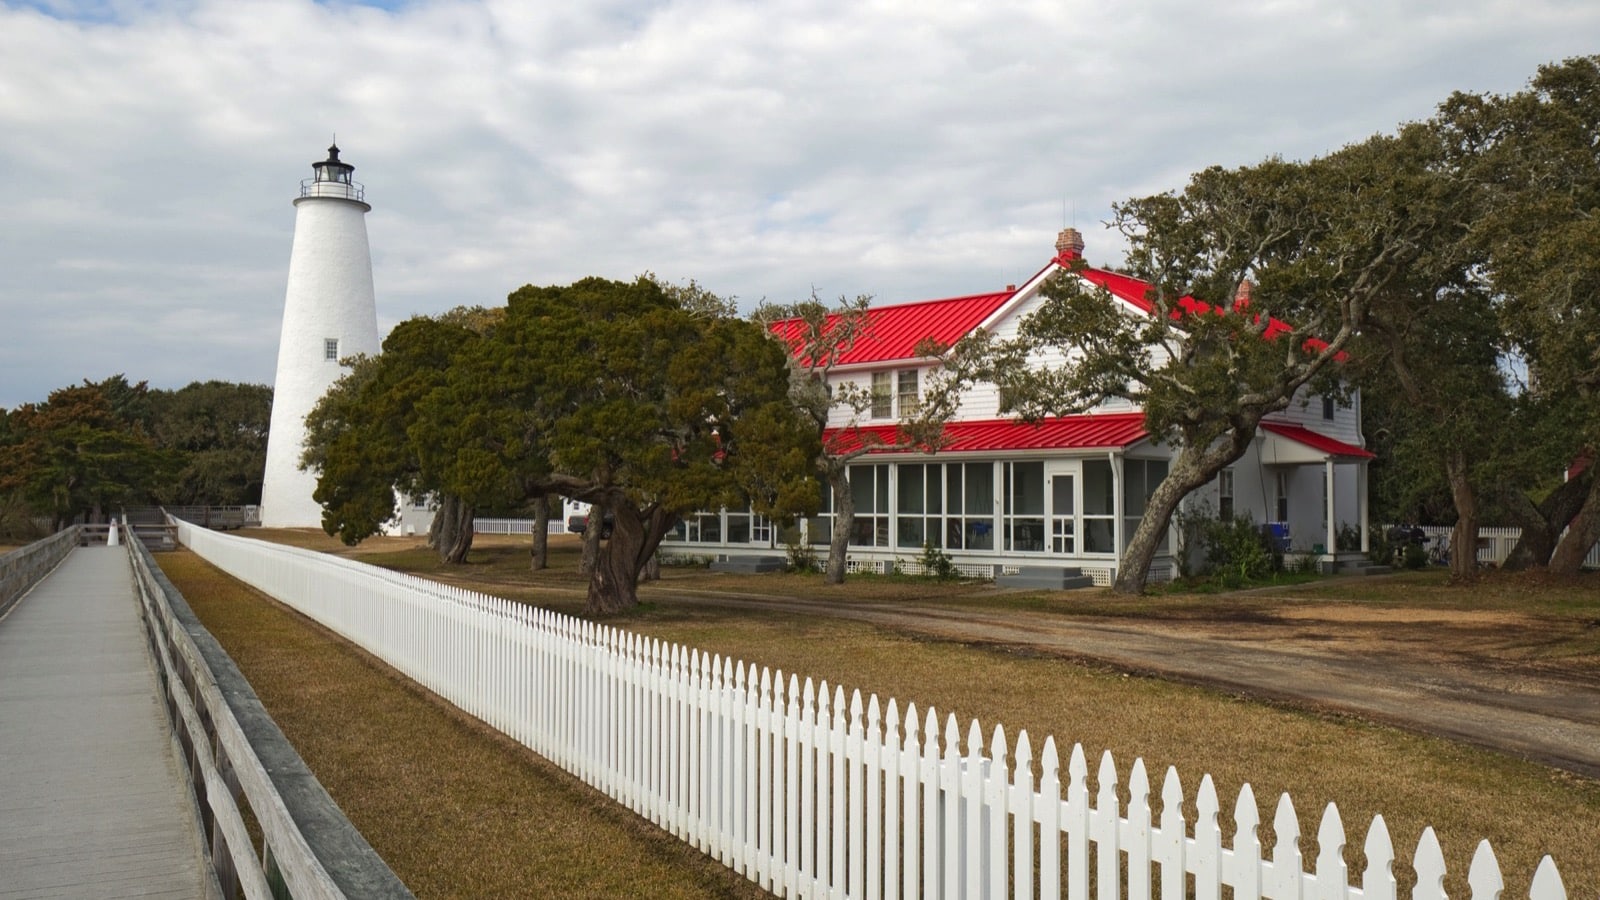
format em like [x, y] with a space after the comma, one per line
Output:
[1525, 810]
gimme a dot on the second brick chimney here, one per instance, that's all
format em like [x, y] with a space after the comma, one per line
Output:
[1069, 243]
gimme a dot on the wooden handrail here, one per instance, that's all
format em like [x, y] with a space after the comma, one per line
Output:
[309, 848]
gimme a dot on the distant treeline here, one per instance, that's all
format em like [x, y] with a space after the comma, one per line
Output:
[91, 448]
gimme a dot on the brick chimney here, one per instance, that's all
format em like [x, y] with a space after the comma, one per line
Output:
[1069, 243]
[1241, 297]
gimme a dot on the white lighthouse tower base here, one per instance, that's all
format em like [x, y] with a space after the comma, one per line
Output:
[329, 313]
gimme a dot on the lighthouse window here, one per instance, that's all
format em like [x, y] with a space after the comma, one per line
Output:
[330, 349]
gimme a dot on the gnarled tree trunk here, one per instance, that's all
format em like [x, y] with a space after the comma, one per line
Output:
[844, 518]
[451, 534]
[1464, 539]
[591, 539]
[1193, 467]
[1542, 525]
[539, 553]
[1582, 534]
[635, 535]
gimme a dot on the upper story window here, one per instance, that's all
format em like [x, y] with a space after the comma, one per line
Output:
[1327, 409]
[908, 393]
[882, 396]
[330, 349]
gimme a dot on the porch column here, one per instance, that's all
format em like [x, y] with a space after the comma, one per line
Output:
[1116, 505]
[1332, 546]
[1361, 503]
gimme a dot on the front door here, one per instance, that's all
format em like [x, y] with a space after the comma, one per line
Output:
[1062, 492]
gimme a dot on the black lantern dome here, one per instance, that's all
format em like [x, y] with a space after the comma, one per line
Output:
[331, 169]
[332, 178]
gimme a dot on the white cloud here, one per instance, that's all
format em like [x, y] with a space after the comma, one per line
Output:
[903, 149]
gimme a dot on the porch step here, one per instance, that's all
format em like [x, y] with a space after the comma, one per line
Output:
[750, 564]
[1050, 578]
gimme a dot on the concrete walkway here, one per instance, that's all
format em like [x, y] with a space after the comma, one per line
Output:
[93, 801]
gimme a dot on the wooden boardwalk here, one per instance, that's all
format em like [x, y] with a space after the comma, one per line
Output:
[93, 801]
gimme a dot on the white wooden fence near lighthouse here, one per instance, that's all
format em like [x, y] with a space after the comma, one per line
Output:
[810, 793]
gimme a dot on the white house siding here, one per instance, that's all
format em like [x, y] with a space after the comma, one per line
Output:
[1306, 410]
[1255, 493]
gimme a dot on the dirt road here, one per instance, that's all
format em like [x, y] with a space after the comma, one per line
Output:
[1417, 671]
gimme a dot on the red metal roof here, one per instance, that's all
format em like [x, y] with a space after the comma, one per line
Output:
[1302, 435]
[893, 332]
[1087, 432]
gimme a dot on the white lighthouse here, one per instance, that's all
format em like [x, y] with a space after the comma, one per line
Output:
[328, 313]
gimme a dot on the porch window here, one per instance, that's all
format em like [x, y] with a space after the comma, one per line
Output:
[698, 528]
[908, 393]
[739, 527]
[918, 506]
[869, 489]
[1140, 477]
[1225, 495]
[1099, 507]
[970, 488]
[1024, 507]
[882, 399]
[819, 528]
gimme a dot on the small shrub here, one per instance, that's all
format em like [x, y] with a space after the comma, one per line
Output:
[802, 557]
[1236, 551]
[938, 563]
[1348, 540]
[1415, 556]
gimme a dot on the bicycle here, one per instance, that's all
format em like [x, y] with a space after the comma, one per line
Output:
[1439, 553]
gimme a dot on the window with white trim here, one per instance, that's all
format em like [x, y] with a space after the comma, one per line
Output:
[330, 349]
[907, 394]
[1099, 507]
[1225, 495]
[882, 398]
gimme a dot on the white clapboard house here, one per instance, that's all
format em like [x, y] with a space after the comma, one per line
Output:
[1068, 492]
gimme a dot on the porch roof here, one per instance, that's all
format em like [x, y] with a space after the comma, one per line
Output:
[1323, 445]
[1088, 432]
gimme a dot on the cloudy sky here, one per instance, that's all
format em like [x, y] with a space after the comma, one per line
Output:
[149, 151]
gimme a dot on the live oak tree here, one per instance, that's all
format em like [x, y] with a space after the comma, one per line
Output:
[817, 338]
[650, 411]
[1318, 243]
[367, 440]
[1431, 337]
[1536, 156]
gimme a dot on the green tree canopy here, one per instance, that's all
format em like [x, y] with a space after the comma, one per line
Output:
[219, 432]
[652, 410]
[83, 452]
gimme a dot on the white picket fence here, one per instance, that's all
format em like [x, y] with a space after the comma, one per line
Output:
[515, 526]
[1496, 543]
[809, 793]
